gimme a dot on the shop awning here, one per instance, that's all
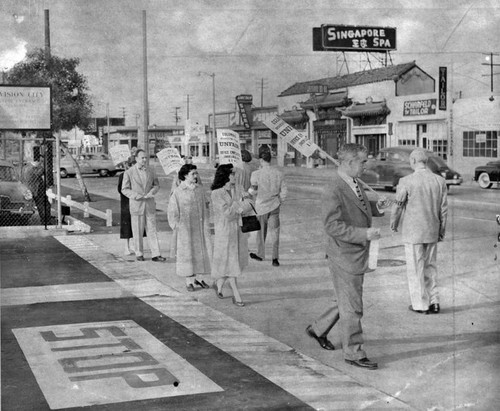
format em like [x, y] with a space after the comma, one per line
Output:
[366, 110]
[326, 100]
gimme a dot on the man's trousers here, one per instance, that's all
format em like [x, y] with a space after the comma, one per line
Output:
[347, 309]
[138, 222]
[269, 224]
[421, 270]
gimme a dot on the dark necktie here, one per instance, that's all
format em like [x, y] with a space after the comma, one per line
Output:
[360, 196]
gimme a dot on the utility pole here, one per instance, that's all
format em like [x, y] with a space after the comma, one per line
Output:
[145, 118]
[187, 111]
[262, 86]
[489, 57]
[176, 115]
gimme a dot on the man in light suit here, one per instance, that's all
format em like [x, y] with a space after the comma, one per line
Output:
[423, 198]
[347, 218]
[140, 185]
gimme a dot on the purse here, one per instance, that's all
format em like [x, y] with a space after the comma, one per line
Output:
[250, 223]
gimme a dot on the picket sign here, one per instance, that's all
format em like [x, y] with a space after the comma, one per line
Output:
[106, 215]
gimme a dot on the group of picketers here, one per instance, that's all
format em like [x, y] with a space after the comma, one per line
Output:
[347, 211]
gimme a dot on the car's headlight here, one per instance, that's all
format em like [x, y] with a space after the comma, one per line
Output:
[443, 173]
[455, 177]
[28, 195]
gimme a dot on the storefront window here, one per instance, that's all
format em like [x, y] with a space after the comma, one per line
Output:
[480, 144]
[194, 150]
[205, 151]
[179, 149]
[440, 147]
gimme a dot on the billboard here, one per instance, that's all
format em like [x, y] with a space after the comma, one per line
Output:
[419, 107]
[25, 108]
[337, 37]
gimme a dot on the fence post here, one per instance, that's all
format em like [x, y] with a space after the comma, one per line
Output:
[109, 217]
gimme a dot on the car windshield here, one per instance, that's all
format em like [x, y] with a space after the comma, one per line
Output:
[7, 174]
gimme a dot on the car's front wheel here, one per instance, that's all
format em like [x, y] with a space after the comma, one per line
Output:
[103, 173]
[484, 180]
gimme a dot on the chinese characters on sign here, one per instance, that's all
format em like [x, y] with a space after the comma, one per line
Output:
[419, 107]
[336, 37]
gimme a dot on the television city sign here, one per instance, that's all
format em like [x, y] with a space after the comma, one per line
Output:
[335, 37]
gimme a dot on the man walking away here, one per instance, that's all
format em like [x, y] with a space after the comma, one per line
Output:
[269, 184]
[423, 198]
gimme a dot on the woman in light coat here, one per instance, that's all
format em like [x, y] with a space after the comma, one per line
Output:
[230, 253]
[187, 215]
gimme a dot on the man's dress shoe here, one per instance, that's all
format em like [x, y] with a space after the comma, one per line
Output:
[418, 311]
[434, 309]
[322, 341]
[363, 363]
[158, 259]
[276, 263]
[140, 258]
[255, 257]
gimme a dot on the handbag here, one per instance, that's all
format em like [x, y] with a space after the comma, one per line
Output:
[250, 223]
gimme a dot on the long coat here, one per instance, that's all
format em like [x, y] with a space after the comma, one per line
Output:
[188, 216]
[230, 253]
[125, 222]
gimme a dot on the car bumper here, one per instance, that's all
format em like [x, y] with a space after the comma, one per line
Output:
[454, 181]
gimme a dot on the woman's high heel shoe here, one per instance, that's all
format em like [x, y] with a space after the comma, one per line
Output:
[201, 283]
[217, 292]
[238, 303]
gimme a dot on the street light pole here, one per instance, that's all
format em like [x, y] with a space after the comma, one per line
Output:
[214, 129]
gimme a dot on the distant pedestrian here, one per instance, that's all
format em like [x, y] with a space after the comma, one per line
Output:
[422, 202]
[188, 217]
[269, 185]
[230, 253]
[34, 178]
[243, 174]
[140, 185]
[347, 219]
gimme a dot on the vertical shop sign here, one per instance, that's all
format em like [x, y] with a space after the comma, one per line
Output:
[443, 85]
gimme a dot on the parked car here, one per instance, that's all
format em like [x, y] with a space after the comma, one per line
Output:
[488, 175]
[16, 200]
[392, 163]
[98, 163]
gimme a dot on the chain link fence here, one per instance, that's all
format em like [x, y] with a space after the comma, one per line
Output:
[26, 172]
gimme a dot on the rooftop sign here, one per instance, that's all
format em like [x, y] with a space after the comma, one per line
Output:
[330, 37]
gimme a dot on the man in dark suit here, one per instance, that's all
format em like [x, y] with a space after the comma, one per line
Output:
[347, 218]
[140, 185]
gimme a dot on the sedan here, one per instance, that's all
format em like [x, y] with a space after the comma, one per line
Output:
[392, 163]
[98, 163]
[16, 200]
[488, 174]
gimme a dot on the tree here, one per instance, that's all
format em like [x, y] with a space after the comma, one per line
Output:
[71, 103]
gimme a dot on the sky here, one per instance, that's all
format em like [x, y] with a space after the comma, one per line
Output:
[244, 43]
